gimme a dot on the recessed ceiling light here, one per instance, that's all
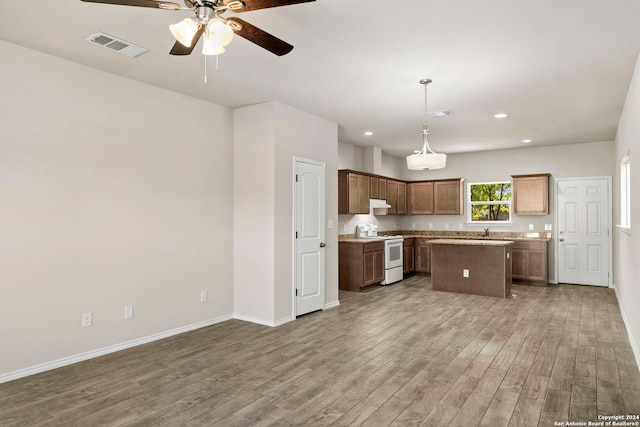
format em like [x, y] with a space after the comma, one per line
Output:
[368, 133]
[526, 141]
[500, 115]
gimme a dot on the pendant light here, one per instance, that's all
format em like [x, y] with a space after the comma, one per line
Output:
[426, 158]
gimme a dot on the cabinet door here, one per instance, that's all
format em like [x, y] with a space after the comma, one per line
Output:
[402, 198]
[392, 196]
[382, 188]
[373, 267]
[423, 256]
[518, 263]
[363, 194]
[408, 254]
[374, 193]
[536, 265]
[531, 194]
[420, 198]
[447, 197]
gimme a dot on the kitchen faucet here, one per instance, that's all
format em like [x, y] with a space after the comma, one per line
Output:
[486, 232]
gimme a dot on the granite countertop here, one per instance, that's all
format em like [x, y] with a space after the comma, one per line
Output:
[459, 235]
[472, 242]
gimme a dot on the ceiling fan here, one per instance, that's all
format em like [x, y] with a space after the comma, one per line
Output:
[217, 30]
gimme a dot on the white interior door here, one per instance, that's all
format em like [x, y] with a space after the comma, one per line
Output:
[583, 240]
[310, 201]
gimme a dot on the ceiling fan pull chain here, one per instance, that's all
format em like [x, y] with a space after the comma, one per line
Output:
[205, 68]
[217, 56]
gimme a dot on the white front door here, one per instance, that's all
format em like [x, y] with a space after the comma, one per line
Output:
[583, 239]
[310, 201]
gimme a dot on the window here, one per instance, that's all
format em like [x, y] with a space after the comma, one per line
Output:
[489, 202]
[625, 192]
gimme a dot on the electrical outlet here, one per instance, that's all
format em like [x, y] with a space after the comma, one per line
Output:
[461, 226]
[446, 226]
[203, 296]
[413, 225]
[128, 311]
[87, 320]
[465, 273]
[547, 227]
[344, 228]
[430, 226]
[530, 227]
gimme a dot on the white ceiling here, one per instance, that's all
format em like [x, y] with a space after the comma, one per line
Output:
[559, 68]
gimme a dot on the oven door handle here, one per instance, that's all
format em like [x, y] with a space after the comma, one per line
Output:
[322, 244]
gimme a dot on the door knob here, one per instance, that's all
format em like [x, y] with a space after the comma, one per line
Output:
[322, 245]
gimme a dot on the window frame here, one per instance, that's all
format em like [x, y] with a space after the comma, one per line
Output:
[625, 194]
[470, 204]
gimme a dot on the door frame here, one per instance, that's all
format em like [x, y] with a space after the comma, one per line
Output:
[294, 224]
[556, 246]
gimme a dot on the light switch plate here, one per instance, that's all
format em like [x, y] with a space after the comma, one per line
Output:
[330, 224]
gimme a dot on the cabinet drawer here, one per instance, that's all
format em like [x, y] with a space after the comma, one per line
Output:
[529, 245]
[373, 246]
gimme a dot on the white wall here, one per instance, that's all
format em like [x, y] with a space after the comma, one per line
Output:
[627, 246]
[112, 193]
[264, 192]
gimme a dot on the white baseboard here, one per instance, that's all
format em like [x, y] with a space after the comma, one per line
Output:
[331, 304]
[66, 361]
[284, 320]
[253, 320]
[634, 347]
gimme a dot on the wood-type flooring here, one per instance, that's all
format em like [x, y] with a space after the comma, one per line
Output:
[401, 355]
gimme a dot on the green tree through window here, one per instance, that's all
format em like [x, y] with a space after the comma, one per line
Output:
[490, 202]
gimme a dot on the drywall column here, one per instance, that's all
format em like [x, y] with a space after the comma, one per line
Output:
[254, 213]
[267, 137]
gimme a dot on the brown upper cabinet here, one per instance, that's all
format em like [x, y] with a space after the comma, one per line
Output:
[442, 197]
[353, 193]
[420, 198]
[378, 188]
[531, 194]
[448, 197]
[396, 197]
[439, 197]
[402, 198]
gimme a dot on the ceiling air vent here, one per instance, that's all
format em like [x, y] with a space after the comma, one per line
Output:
[440, 113]
[117, 45]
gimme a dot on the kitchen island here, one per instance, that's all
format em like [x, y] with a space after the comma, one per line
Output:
[478, 267]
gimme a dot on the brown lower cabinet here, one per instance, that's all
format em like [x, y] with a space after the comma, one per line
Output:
[360, 264]
[408, 255]
[423, 255]
[529, 262]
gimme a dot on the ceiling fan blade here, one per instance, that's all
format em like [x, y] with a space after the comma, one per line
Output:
[260, 37]
[180, 49]
[140, 3]
[264, 4]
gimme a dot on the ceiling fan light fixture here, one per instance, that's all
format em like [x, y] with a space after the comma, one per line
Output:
[211, 45]
[220, 31]
[426, 158]
[184, 31]
[217, 36]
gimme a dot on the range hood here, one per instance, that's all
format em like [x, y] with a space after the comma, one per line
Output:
[378, 204]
